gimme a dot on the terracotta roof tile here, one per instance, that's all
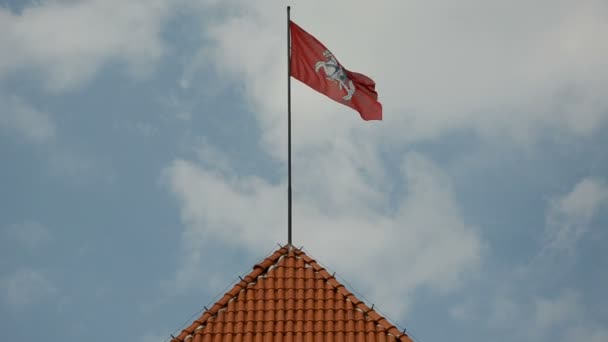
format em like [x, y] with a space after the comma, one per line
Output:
[289, 297]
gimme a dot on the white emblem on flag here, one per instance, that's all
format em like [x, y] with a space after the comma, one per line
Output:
[335, 72]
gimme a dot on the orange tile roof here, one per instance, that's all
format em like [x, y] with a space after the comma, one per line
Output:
[290, 297]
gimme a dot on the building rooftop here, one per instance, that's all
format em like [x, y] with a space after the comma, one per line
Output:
[290, 297]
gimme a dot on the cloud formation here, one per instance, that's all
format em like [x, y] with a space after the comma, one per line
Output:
[569, 216]
[25, 287]
[67, 42]
[439, 69]
[423, 243]
[25, 122]
[513, 72]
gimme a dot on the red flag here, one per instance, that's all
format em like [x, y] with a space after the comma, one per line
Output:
[313, 64]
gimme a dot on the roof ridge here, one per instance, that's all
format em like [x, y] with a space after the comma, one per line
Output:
[348, 295]
[263, 268]
[258, 269]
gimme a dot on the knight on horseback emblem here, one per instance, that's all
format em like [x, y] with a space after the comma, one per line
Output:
[335, 72]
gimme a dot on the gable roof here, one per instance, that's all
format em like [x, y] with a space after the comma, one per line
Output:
[290, 297]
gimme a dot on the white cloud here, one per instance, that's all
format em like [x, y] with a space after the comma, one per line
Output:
[30, 234]
[514, 71]
[550, 313]
[234, 211]
[569, 216]
[534, 317]
[25, 287]
[68, 41]
[423, 243]
[564, 318]
[21, 119]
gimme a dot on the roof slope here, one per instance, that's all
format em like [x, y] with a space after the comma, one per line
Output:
[289, 297]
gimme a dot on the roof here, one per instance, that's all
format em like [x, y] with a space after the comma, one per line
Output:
[290, 297]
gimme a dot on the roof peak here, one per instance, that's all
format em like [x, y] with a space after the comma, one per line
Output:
[286, 296]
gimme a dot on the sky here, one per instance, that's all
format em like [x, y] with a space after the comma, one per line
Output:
[144, 163]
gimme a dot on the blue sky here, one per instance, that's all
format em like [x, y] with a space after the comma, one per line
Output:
[144, 163]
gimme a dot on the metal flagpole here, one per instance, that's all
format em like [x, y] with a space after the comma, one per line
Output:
[288, 128]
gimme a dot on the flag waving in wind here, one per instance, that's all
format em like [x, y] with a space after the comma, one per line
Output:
[313, 64]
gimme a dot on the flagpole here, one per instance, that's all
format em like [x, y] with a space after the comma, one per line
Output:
[288, 128]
